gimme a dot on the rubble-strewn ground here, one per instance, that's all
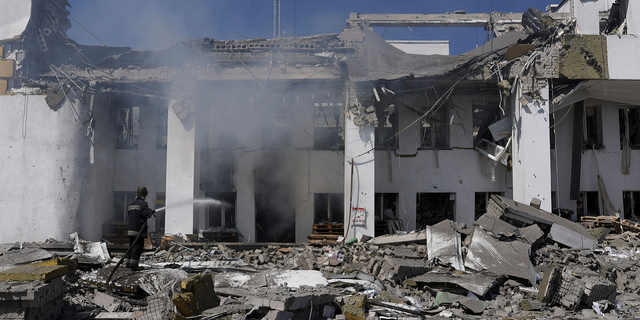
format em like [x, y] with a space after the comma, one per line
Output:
[395, 280]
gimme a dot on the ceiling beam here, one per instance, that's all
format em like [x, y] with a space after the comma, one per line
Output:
[440, 19]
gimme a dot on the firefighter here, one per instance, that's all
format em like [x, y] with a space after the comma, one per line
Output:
[139, 212]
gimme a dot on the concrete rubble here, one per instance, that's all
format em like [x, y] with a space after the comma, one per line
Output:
[508, 263]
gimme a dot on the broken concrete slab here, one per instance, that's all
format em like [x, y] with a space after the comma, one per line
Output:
[495, 226]
[32, 294]
[399, 269]
[571, 239]
[411, 237]
[271, 279]
[524, 215]
[279, 300]
[480, 283]
[500, 257]
[473, 305]
[106, 301]
[278, 315]
[571, 287]
[22, 256]
[444, 244]
[531, 234]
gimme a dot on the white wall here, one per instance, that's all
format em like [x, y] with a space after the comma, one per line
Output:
[424, 47]
[586, 13]
[621, 51]
[531, 150]
[608, 161]
[180, 177]
[633, 17]
[49, 188]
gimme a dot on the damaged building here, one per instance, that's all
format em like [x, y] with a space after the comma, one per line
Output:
[267, 137]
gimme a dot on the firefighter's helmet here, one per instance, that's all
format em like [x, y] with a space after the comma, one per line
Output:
[142, 192]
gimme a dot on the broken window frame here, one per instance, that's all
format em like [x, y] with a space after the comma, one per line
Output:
[126, 122]
[221, 215]
[121, 202]
[385, 201]
[592, 122]
[328, 207]
[387, 128]
[327, 126]
[629, 122]
[440, 121]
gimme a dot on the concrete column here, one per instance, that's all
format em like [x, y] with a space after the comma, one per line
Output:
[359, 185]
[245, 182]
[304, 200]
[530, 148]
[465, 206]
[181, 155]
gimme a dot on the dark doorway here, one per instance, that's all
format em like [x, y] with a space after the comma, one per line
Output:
[432, 208]
[275, 217]
[328, 207]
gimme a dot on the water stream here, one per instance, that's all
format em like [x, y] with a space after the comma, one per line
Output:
[201, 202]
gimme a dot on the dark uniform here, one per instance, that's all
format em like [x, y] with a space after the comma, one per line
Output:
[139, 212]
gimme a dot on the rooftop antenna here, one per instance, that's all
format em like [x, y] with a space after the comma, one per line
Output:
[276, 19]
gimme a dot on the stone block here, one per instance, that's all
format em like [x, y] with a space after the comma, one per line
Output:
[186, 303]
[198, 295]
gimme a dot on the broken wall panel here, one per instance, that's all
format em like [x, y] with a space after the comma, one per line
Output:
[444, 245]
[499, 257]
[584, 57]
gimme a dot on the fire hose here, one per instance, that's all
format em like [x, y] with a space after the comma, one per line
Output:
[126, 254]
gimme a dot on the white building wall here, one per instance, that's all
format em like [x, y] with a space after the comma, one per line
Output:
[586, 13]
[531, 150]
[49, 188]
[621, 51]
[460, 170]
[180, 177]
[423, 47]
[607, 162]
[633, 16]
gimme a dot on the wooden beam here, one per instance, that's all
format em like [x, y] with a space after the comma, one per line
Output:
[440, 19]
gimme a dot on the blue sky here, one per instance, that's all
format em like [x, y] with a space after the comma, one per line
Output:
[158, 24]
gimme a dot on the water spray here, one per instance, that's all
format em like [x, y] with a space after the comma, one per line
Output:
[206, 201]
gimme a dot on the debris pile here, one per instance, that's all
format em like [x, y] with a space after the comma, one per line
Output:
[514, 261]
